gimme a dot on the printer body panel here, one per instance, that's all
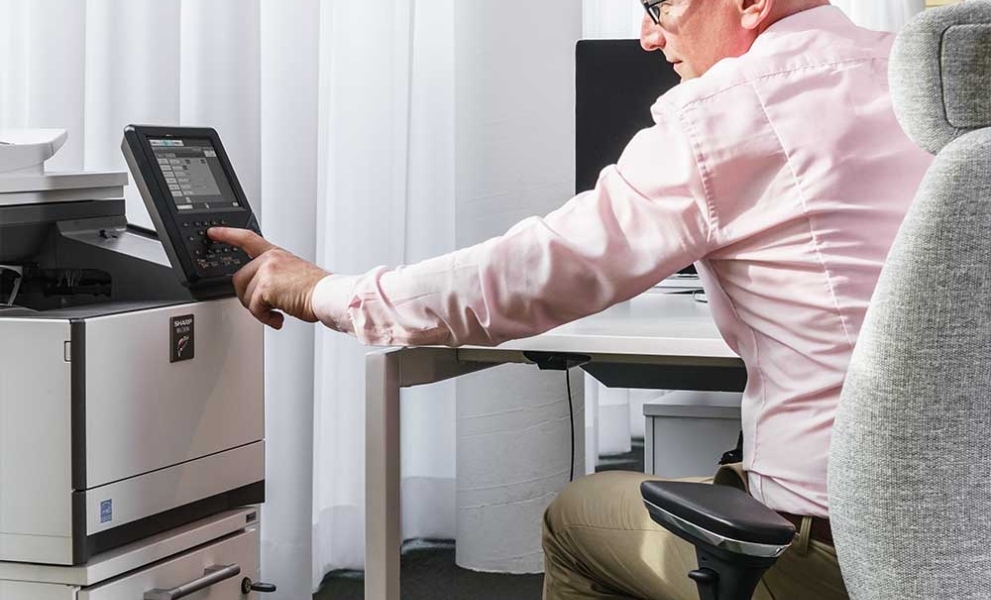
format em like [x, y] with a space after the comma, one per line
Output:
[105, 438]
[109, 431]
[35, 440]
[147, 409]
[232, 472]
[23, 590]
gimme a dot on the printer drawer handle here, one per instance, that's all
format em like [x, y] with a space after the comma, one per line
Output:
[211, 576]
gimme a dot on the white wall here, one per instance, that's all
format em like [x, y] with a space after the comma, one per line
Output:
[610, 20]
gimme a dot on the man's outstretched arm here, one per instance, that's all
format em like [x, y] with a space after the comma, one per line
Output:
[646, 218]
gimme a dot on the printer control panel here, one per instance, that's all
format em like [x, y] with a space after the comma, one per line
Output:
[188, 185]
[210, 256]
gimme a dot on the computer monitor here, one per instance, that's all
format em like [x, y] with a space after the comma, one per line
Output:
[617, 82]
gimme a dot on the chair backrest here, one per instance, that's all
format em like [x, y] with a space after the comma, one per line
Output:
[910, 463]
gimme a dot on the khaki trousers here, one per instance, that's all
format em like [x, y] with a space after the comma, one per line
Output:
[599, 542]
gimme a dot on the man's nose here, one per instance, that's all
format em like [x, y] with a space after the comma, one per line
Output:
[651, 35]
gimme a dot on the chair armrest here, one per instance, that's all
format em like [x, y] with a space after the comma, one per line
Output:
[718, 516]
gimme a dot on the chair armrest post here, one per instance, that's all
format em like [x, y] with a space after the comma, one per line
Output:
[736, 538]
[720, 578]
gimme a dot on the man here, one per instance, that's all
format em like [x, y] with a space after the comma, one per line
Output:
[778, 165]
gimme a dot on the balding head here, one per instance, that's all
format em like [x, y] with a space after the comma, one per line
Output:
[696, 34]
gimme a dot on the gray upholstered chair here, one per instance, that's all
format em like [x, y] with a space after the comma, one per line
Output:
[910, 463]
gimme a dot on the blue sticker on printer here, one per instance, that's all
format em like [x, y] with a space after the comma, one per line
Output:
[106, 511]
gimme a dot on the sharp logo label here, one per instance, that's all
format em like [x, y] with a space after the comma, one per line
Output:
[182, 338]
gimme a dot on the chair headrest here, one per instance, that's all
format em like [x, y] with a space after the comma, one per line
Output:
[941, 74]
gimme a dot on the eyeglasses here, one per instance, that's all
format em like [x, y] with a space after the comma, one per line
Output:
[655, 8]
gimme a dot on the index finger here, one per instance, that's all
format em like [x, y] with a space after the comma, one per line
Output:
[245, 239]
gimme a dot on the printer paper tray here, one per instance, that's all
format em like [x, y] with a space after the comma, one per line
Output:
[237, 551]
[120, 513]
[135, 556]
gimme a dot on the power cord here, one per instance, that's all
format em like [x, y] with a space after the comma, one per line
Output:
[561, 361]
[571, 412]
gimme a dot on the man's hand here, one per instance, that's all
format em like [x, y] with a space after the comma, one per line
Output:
[275, 281]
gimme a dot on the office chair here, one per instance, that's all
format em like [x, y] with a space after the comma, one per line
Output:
[910, 462]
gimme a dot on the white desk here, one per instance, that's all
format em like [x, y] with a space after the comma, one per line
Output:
[656, 340]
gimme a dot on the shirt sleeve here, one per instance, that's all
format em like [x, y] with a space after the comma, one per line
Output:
[646, 219]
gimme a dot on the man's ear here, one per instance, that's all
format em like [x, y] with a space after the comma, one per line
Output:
[753, 13]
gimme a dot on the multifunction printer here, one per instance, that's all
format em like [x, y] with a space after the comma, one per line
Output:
[132, 440]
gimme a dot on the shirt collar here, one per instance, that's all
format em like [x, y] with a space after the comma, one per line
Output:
[814, 19]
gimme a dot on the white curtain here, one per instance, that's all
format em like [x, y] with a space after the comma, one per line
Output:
[386, 196]
[340, 118]
[251, 69]
[430, 146]
[336, 147]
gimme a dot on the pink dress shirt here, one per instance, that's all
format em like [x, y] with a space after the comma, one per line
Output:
[783, 173]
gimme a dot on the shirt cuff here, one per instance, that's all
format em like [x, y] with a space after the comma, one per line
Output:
[331, 302]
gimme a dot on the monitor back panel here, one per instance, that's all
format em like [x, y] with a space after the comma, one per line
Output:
[617, 83]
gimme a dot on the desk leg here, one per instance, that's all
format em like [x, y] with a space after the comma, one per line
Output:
[383, 525]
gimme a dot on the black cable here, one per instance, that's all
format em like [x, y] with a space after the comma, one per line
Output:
[561, 361]
[571, 411]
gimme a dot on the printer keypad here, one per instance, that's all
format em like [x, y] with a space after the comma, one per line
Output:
[211, 258]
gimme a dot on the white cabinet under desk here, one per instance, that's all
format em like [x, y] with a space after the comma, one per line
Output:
[687, 432]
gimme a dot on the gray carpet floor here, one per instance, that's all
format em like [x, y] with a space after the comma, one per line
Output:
[429, 573]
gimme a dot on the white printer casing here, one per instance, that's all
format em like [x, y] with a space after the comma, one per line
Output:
[113, 427]
[104, 441]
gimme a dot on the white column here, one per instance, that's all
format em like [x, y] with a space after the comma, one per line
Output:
[514, 452]
[614, 421]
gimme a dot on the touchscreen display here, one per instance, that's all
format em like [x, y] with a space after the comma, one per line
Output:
[194, 175]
